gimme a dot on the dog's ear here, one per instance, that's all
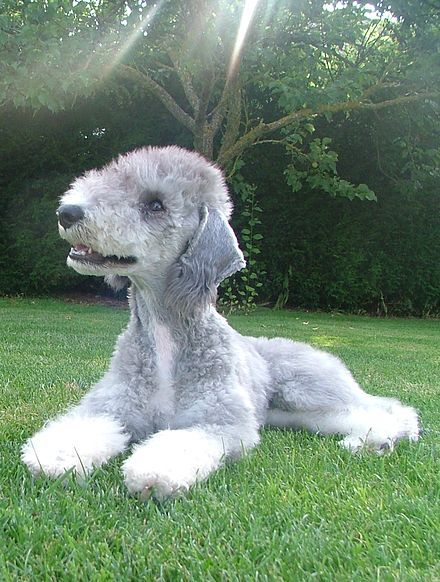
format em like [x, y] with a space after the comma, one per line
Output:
[211, 256]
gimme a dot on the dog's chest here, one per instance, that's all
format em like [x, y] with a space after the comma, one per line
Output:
[162, 400]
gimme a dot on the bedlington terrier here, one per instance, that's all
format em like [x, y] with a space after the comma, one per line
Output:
[185, 388]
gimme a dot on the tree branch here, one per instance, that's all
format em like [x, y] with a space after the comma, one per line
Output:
[232, 86]
[232, 121]
[205, 96]
[186, 82]
[262, 128]
[144, 80]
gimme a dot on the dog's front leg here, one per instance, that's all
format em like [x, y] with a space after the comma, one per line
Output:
[75, 441]
[172, 460]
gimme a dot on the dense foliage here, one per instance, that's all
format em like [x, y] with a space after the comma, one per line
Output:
[326, 123]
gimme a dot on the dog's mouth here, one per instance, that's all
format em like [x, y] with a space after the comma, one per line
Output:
[85, 254]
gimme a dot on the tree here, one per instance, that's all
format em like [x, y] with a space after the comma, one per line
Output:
[234, 73]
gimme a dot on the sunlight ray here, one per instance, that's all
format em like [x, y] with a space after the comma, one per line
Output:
[245, 22]
[134, 36]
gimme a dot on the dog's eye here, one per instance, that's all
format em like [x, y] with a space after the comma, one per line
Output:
[155, 206]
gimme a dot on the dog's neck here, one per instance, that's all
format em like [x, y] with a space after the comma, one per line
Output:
[148, 303]
[148, 298]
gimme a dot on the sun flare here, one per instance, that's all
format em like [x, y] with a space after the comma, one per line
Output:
[140, 30]
[245, 22]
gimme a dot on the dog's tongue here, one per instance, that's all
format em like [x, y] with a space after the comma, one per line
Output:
[81, 248]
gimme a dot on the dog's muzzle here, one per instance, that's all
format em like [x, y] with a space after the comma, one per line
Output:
[68, 216]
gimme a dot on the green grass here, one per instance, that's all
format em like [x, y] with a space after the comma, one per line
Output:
[298, 508]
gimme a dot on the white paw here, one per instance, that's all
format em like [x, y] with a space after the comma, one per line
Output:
[171, 461]
[73, 443]
[408, 425]
[356, 443]
[160, 482]
[390, 423]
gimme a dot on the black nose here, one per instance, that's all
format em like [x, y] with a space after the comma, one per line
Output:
[69, 214]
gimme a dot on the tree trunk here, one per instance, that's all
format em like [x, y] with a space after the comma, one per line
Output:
[203, 141]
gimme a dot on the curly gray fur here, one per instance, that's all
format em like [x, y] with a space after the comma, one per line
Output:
[184, 387]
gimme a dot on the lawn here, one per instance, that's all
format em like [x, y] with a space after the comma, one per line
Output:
[298, 508]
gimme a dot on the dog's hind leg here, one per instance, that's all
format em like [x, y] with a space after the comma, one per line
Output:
[377, 424]
[75, 442]
[315, 391]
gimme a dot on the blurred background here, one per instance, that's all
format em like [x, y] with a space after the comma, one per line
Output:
[324, 116]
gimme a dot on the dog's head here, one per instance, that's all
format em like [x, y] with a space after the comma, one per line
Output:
[155, 214]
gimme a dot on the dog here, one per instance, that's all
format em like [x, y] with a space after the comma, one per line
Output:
[183, 388]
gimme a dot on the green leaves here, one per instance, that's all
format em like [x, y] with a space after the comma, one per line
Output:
[52, 52]
[316, 168]
[240, 292]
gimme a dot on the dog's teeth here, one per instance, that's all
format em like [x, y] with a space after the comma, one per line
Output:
[89, 252]
[77, 251]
